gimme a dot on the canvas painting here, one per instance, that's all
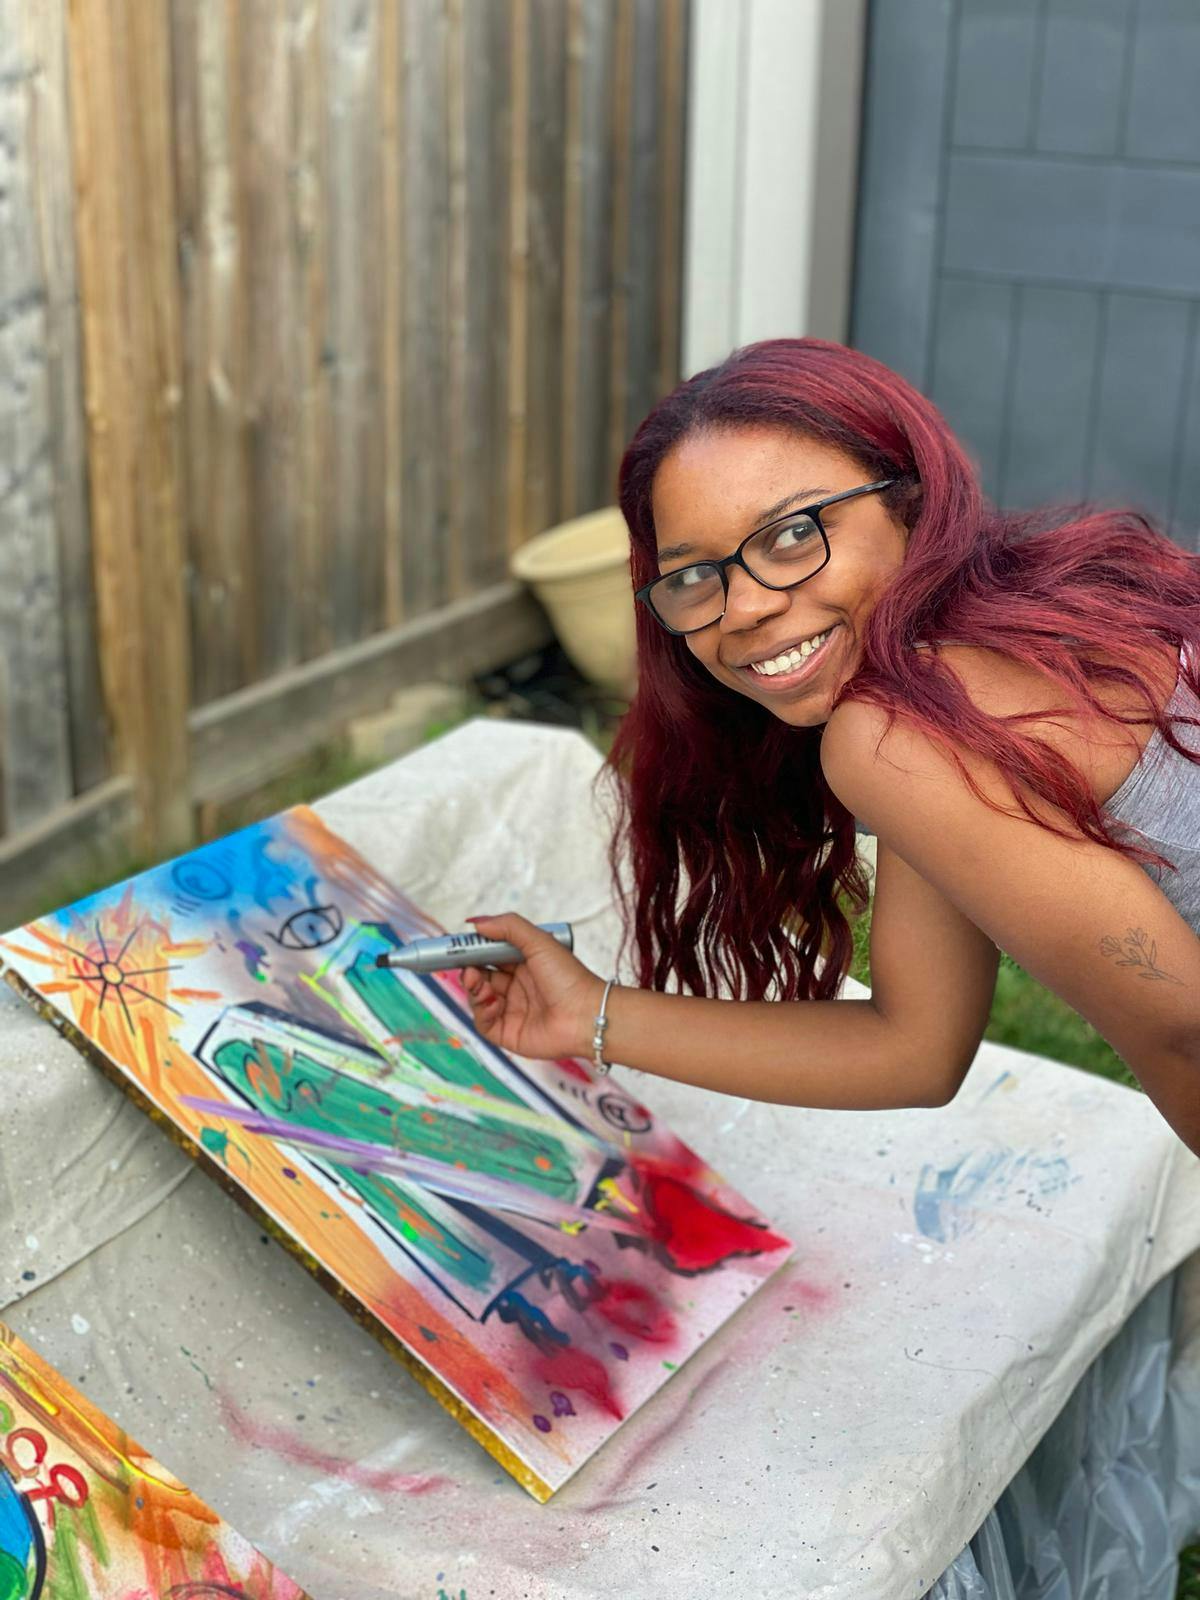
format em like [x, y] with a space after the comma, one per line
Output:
[87, 1514]
[530, 1240]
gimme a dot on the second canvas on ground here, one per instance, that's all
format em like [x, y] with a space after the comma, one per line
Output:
[540, 1251]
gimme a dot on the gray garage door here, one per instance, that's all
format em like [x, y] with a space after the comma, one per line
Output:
[1029, 239]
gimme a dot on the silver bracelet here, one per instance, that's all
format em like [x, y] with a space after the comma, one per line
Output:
[601, 1066]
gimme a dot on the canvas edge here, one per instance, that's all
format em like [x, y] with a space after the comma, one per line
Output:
[31, 1357]
[445, 1396]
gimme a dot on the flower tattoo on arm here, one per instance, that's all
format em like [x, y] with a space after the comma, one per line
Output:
[1136, 954]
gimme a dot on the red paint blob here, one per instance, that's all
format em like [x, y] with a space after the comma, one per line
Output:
[575, 1369]
[635, 1309]
[572, 1068]
[694, 1234]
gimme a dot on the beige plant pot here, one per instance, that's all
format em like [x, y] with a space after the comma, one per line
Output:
[580, 573]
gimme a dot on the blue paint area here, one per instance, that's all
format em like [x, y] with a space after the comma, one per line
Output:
[533, 1322]
[18, 1576]
[259, 867]
[1003, 1078]
[948, 1200]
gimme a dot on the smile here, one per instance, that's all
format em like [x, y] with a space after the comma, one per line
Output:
[790, 667]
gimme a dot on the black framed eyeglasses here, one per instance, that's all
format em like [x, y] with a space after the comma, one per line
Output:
[781, 554]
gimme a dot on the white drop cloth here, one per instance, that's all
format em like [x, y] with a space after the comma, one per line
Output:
[844, 1436]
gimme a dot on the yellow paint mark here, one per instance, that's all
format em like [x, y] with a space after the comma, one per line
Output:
[614, 1192]
[15, 1371]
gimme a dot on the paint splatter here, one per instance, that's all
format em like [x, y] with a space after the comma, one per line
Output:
[265, 1436]
[948, 1200]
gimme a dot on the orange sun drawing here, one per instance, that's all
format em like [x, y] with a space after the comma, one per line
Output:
[116, 969]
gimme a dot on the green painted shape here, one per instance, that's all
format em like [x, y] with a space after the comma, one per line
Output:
[14, 1578]
[216, 1143]
[393, 1203]
[65, 1578]
[313, 1095]
[398, 1206]
[400, 1011]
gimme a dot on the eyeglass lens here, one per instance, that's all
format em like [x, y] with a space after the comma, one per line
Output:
[780, 555]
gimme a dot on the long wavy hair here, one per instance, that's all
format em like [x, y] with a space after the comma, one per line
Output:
[741, 855]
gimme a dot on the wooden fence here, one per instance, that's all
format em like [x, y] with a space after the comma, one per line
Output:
[310, 312]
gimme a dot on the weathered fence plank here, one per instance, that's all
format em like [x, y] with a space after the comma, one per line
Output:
[44, 28]
[391, 130]
[572, 249]
[265, 85]
[645, 197]
[486, 126]
[457, 312]
[516, 410]
[672, 92]
[207, 50]
[621, 134]
[355, 238]
[426, 285]
[36, 769]
[310, 367]
[126, 234]
[547, 83]
[593, 482]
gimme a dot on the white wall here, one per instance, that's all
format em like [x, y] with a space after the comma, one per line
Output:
[774, 105]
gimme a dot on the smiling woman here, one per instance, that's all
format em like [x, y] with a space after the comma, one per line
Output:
[834, 623]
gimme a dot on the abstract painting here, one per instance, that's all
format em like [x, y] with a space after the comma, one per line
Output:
[535, 1246]
[86, 1514]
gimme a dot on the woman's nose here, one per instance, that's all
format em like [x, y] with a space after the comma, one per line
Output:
[749, 601]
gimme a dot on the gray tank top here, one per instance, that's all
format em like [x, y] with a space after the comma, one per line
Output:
[1161, 800]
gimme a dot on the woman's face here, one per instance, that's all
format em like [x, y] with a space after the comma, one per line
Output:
[715, 488]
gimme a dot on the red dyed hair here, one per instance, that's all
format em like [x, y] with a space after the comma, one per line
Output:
[733, 835]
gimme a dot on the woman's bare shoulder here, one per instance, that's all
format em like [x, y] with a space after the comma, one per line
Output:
[1001, 686]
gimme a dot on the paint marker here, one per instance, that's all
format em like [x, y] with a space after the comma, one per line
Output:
[466, 950]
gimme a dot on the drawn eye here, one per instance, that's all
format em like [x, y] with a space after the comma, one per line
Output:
[310, 928]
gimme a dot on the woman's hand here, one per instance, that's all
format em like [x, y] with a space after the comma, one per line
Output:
[544, 1006]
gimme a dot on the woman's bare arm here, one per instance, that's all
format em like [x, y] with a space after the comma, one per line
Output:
[1087, 923]
[910, 1044]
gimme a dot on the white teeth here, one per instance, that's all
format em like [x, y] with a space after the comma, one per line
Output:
[789, 660]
